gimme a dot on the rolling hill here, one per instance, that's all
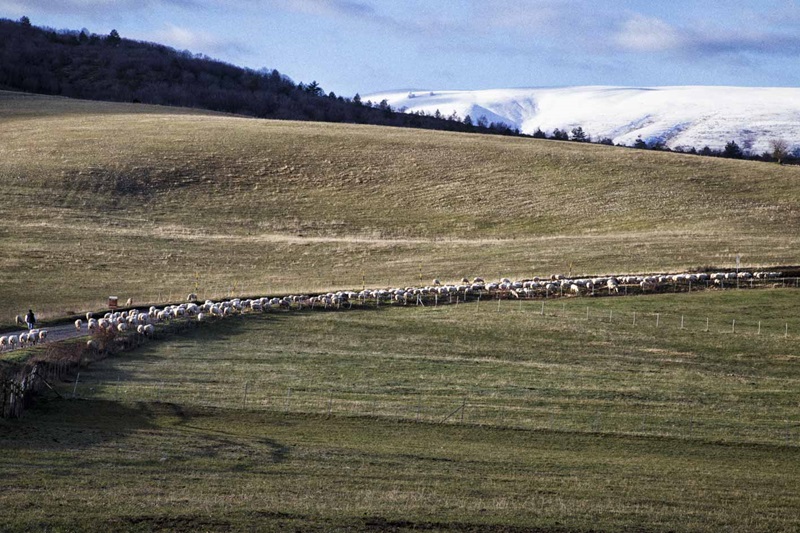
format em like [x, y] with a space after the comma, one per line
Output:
[154, 202]
[679, 117]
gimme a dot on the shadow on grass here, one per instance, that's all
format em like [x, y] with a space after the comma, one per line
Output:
[59, 424]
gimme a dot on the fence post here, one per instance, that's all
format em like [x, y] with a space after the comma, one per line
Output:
[733, 326]
[658, 317]
[681, 321]
[634, 318]
[244, 400]
[706, 324]
[75, 388]
[759, 328]
[542, 307]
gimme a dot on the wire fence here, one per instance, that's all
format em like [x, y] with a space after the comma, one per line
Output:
[595, 314]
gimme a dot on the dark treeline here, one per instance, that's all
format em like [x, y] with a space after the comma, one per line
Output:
[779, 151]
[80, 64]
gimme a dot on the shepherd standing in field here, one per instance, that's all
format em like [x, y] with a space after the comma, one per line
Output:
[30, 319]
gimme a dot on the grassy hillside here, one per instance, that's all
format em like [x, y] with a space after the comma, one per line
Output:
[149, 202]
[339, 421]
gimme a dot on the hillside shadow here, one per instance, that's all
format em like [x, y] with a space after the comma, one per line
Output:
[60, 424]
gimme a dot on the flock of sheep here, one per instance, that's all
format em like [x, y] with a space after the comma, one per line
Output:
[31, 338]
[143, 322]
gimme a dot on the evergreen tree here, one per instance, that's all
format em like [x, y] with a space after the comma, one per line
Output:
[314, 88]
[732, 151]
[113, 38]
[579, 135]
[539, 134]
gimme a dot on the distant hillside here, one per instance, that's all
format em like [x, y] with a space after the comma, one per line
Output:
[89, 66]
[149, 201]
[678, 118]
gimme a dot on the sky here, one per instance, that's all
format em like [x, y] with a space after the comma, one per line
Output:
[367, 46]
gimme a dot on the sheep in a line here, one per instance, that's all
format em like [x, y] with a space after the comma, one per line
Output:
[142, 322]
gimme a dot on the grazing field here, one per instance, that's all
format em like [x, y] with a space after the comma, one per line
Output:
[489, 416]
[139, 201]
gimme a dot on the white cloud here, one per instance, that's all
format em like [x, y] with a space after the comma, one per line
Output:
[86, 6]
[328, 7]
[196, 41]
[648, 34]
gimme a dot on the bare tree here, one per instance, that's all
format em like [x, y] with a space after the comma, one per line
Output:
[780, 149]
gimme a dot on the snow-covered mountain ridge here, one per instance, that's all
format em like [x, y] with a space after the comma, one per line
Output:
[689, 116]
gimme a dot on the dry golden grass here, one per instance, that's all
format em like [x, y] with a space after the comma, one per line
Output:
[152, 202]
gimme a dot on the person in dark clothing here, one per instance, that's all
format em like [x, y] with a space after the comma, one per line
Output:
[30, 319]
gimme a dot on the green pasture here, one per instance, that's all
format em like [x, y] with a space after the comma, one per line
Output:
[489, 416]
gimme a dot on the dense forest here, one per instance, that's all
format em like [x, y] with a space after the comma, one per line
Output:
[79, 64]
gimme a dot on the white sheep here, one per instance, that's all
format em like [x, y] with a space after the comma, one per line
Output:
[612, 285]
[201, 317]
[42, 335]
[3, 342]
[192, 297]
[13, 340]
[78, 324]
[122, 327]
[149, 330]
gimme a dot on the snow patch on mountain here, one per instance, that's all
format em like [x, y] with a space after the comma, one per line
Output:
[691, 116]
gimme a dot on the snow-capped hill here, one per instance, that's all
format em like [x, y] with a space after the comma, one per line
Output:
[692, 116]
